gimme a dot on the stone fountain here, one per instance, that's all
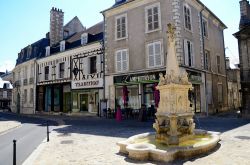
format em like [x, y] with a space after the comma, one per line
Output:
[175, 135]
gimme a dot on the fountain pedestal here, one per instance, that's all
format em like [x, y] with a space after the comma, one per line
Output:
[174, 123]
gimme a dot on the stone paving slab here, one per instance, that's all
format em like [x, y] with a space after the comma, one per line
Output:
[89, 147]
[8, 125]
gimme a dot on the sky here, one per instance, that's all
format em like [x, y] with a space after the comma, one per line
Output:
[24, 22]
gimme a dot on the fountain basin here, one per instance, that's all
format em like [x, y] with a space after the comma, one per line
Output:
[144, 147]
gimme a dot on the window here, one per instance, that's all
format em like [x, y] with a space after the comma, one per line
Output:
[25, 95]
[121, 27]
[154, 54]
[84, 38]
[220, 93]
[218, 64]
[5, 94]
[122, 60]
[61, 70]
[47, 51]
[204, 27]
[189, 55]
[46, 70]
[187, 17]
[92, 65]
[62, 46]
[207, 60]
[29, 52]
[31, 95]
[153, 17]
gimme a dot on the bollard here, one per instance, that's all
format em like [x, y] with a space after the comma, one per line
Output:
[14, 152]
[47, 131]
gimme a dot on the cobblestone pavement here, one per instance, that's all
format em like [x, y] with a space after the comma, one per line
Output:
[92, 141]
[8, 125]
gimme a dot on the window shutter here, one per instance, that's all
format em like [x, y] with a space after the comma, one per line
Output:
[151, 55]
[192, 54]
[186, 52]
[86, 65]
[98, 64]
[124, 61]
[118, 61]
[157, 54]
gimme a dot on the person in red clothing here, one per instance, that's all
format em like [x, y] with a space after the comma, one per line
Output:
[118, 116]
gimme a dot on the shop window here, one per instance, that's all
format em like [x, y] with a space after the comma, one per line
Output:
[189, 54]
[132, 100]
[154, 54]
[61, 70]
[93, 65]
[121, 27]
[153, 18]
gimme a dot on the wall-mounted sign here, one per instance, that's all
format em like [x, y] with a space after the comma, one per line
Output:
[91, 83]
[138, 78]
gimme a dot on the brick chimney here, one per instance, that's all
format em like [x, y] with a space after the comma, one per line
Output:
[56, 26]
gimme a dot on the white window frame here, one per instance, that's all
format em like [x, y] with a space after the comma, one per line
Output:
[126, 28]
[146, 17]
[204, 20]
[161, 51]
[62, 46]
[184, 14]
[84, 39]
[47, 50]
[127, 59]
[187, 56]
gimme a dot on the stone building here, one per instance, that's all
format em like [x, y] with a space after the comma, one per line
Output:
[25, 72]
[66, 77]
[243, 36]
[234, 86]
[5, 94]
[136, 46]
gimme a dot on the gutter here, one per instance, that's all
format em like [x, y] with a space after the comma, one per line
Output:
[204, 63]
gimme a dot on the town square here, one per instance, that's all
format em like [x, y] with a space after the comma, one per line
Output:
[125, 82]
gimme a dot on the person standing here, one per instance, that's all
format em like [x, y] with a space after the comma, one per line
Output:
[118, 116]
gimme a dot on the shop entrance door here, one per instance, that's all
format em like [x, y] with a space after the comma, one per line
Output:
[83, 102]
[197, 99]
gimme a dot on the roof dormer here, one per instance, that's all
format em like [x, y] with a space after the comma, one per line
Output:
[62, 46]
[84, 38]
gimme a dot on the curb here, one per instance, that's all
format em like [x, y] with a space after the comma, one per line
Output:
[10, 129]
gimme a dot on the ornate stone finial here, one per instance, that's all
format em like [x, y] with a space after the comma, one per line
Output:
[171, 32]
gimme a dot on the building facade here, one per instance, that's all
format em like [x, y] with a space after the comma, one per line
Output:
[244, 56]
[5, 94]
[136, 49]
[24, 79]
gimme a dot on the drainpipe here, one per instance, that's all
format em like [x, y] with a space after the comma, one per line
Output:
[204, 63]
[103, 60]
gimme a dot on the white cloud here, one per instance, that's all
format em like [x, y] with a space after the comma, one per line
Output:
[7, 65]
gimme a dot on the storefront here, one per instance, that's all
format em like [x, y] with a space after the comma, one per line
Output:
[86, 93]
[133, 90]
[195, 94]
[54, 98]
